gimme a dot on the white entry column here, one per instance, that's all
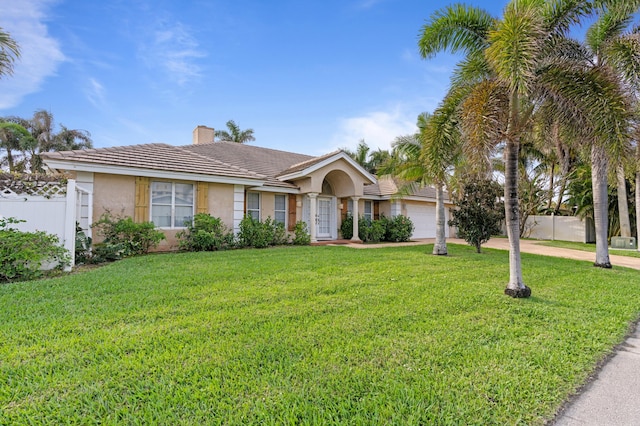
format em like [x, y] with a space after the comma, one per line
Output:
[313, 215]
[355, 238]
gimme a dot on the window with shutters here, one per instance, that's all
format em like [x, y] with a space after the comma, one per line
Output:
[171, 204]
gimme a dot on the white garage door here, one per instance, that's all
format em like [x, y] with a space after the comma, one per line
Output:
[424, 220]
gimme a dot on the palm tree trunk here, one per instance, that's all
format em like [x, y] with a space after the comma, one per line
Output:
[623, 203]
[516, 287]
[600, 204]
[638, 206]
[440, 246]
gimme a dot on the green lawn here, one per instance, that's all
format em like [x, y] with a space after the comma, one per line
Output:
[308, 335]
[589, 247]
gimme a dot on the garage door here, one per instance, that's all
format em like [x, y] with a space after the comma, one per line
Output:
[424, 220]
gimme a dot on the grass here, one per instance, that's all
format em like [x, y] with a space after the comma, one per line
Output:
[589, 247]
[308, 335]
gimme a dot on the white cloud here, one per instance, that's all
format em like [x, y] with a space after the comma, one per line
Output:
[95, 93]
[40, 53]
[378, 128]
[172, 47]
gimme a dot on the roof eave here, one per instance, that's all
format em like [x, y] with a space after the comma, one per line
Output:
[78, 166]
[340, 155]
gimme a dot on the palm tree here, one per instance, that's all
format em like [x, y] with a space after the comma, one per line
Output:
[613, 49]
[45, 139]
[235, 134]
[513, 65]
[14, 139]
[9, 52]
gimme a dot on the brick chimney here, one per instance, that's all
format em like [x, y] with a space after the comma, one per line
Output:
[203, 134]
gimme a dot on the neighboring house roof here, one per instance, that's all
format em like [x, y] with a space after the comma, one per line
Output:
[150, 157]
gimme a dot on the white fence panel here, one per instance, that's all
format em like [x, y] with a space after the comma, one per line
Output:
[561, 228]
[54, 213]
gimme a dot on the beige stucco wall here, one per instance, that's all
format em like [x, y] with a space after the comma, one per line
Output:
[344, 179]
[267, 205]
[115, 193]
[385, 208]
[220, 199]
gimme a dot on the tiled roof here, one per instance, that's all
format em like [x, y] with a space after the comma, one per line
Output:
[306, 163]
[155, 156]
[388, 187]
[269, 162]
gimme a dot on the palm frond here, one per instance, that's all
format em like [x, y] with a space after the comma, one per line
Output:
[456, 28]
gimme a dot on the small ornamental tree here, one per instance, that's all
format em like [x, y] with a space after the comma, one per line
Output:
[479, 211]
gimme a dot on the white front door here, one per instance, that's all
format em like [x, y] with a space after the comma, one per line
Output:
[323, 230]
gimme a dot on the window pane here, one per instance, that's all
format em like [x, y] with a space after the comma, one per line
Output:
[254, 214]
[367, 207]
[350, 206]
[184, 194]
[253, 201]
[161, 216]
[183, 214]
[280, 202]
[160, 192]
[280, 217]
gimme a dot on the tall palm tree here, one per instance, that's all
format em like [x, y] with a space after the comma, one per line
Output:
[615, 50]
[9, 52]
[513, 65]
[234, 134]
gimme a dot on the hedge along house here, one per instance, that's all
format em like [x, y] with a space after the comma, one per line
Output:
[168, 184]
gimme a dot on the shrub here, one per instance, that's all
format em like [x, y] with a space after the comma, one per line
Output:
[398, 228]
[346, 228]
[301, 236]
[479, 212]
[254, 233]
[370, 231]
[23, 254]
[206, 233]
[83, 246]
[122, 237]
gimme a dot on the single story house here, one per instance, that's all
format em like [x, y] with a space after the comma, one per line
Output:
[168, 184]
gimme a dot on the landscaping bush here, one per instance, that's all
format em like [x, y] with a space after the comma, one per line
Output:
[394, 229]
[83, 246]
[346, 228]
[206, 233]
[122, 237]
[397, 229]
[301, 236]
[257, 234]
[23, 254]
[370, 231]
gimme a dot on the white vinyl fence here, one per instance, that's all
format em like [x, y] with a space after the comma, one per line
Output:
[561, 228]
[53, 207]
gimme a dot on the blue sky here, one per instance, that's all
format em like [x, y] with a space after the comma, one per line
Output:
[308, 76]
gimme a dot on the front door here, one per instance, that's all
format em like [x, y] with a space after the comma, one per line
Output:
[323, 230]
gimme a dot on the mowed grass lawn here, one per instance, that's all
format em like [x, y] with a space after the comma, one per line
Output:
[309, 335]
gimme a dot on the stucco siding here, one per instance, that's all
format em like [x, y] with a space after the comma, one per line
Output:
[267, 208]
[221, 202]
[115, 193]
